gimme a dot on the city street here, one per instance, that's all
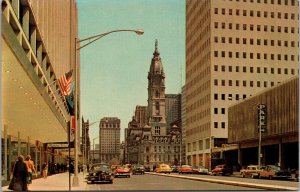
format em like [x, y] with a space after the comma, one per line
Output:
[153, 182]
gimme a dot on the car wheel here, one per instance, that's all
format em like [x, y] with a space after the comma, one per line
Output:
[270, 177]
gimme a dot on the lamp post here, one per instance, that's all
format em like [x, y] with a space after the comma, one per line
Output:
[259, 107]
[91, 39]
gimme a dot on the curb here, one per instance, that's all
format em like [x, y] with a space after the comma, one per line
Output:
[243, 184]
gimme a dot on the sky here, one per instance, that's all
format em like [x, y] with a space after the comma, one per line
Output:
[114, 69]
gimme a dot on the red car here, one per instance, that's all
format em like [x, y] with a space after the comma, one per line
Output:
[185, 169]
[122, 170]
[222, 170]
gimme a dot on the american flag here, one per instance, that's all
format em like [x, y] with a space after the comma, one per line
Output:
[65, 83]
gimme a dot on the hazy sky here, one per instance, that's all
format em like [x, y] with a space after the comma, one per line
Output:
[114, 69]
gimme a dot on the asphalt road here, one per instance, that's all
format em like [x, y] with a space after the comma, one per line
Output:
[154, 182]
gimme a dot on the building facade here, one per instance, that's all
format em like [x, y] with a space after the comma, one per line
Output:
[109, 140]
[183, 126]
[280, 140]
[234, 49]
[85, 141]
[151, 144]
[38, 47]
[173, 109]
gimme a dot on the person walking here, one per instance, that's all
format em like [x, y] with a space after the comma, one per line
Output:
[20, 174]
[45, 170]
[30, 168]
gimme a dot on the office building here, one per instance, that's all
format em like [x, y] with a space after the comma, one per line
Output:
[234, 49]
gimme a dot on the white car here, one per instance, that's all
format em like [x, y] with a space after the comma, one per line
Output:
[200, 170]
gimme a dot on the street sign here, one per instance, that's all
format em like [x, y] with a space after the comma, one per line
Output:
[262, 118]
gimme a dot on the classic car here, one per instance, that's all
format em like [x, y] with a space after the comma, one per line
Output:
[200, 170]
[222, 170]
[138, 169]
[251, 171]
[274, 171]
[174, 168]
[163, 168]
[122, 170]
[185, 169]
[100, 172]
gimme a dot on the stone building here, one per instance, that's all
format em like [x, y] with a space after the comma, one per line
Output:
[151, 144]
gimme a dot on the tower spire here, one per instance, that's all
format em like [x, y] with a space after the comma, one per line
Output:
[156, 53]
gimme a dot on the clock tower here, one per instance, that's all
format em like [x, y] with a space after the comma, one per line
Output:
[156, 95]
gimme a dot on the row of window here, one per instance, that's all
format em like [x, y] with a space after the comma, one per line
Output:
[243, 55]
[252, 41]
[237, 83]
[251, 27]
[251, 13]
[216, 125]
[279, 2]
[251, 69]
[110, 125]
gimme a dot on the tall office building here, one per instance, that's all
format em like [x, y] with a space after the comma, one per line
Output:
[173, 109]
[141, 115]
[109, 139]
[233, 50]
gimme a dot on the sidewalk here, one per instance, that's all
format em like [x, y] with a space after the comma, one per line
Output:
[57, 182]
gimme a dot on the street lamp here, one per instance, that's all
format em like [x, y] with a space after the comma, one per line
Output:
[91, 39]
[259, 106]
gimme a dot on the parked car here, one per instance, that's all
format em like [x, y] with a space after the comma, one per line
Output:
[252, 171]
[174, 168]
[274, 171]
[147, 169]
[122, 170]
[163, 168]
[185, 169]
[222, 170]
[100, 172]
[140, 169]
[200, 170]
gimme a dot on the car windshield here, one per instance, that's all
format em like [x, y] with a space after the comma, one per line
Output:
[101, 167]
[186, 166]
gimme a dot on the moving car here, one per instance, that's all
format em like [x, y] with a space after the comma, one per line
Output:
[140, 169]
[100, 172]
[200, 170]
[274, 171]
[122, 170]
[185, 169]
[251, 171]
[222, 170]
[163, 168]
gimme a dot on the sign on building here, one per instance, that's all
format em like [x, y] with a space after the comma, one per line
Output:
[262, 117]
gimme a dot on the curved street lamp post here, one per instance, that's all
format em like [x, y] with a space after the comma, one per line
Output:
[91, 39]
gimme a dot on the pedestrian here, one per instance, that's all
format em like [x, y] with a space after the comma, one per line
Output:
[30, 168]
[20, 174]
[45, 170]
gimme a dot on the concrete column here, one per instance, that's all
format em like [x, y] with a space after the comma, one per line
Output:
[9, 154]
[25, 21]
[280, 155]
[5, 154]
[16, 7]
[19, 143]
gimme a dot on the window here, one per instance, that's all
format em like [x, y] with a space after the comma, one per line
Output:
[244, 12]
[265, 42]
[223, 39]
[286, 71]
[286, 15]
[237, 83]
[251, 41]
[223, 110]
[285, 57]
[265, 84]
[223, 25]
[244, 55]
[251, 83]
[230, 39]
[265, 28]
[237, 68]
[216, 39]
[237, 26]
[292, 43]
[223, 53]
[265, 14]
[230, 11]
[258, 83]
[279, 15]
[258, 69]
[292, 30]
[237, 54]
[237, 40]
[245, 69]
[258, 41]
[230, 68]
[223, 96]
[251, 69]
[279, 57]
[223, 125]
[286, 29]
[251, 27]
[216, 96]
[265, 56]
[215, 124]
[292, 57]
[272, 28]
[230, 54]
[258, 13]
[237, 12]
[251, 13]
[216, 67]
[244, 96]
[272, 83]
[230, 82]
[215, 110]
[244, 41]
[229, 25]
[223, 82]
[279, 43]
[251, 55]
[272, 70]
[272, 14]
[293, 16]
[265, 70]
[223, 11]
[258, 27]
[223, 68]
[279, 29]
[216, 10]
[292, 71]
[244, 27]
[216, 25]
[216, 53]
[216, 82]
[258, 55]
[279, 70]
[244, 83]
[272, 42]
